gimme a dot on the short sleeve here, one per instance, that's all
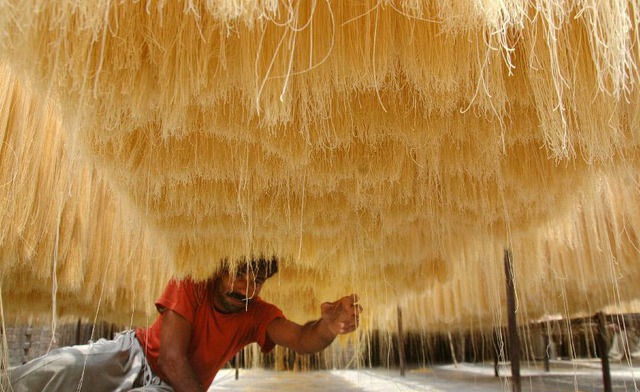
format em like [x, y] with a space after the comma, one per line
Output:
[182, 297]
[266, 313]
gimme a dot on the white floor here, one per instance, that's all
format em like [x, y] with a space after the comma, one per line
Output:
[578, 377]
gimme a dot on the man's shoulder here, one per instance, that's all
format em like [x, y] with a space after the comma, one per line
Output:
[187, 288]
[261, 306]
[261, 302]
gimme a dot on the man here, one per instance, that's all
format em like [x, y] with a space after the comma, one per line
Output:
[201, 326]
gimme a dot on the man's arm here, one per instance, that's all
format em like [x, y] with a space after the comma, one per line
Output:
[174, 343]
[338, 317]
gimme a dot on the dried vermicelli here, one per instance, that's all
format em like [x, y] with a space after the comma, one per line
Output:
[391, 148]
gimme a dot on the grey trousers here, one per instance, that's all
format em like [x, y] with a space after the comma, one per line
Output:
[106, 365]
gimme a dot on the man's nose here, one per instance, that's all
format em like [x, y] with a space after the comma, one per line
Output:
[241, 286]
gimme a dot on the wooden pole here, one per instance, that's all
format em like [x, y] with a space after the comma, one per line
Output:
[401, 354]
[601, 341]
[545, 338]
[78, 331]
[514, 340]
[3, 342]
[236, 363]
[452, 350]
[496, 353]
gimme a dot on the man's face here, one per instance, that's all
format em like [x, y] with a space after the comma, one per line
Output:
[232, 295]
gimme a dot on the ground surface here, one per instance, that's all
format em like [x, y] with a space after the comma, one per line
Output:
[577, 376]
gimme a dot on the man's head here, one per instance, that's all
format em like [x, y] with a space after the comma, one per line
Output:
[235, 287]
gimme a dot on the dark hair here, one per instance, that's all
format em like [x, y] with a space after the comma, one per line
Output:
[258, 264]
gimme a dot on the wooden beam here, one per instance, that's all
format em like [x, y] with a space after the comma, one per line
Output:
[401, 354]
[603, 349]
[514, 340]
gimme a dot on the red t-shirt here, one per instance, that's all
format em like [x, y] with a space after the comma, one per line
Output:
[215, 337]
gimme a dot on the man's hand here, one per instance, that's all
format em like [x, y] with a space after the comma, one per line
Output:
[343, 315]
[338, 317]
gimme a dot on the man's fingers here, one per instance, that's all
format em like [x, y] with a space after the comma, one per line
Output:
[355, 310]
[351, 301]
[347, 327]
[344, 313]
